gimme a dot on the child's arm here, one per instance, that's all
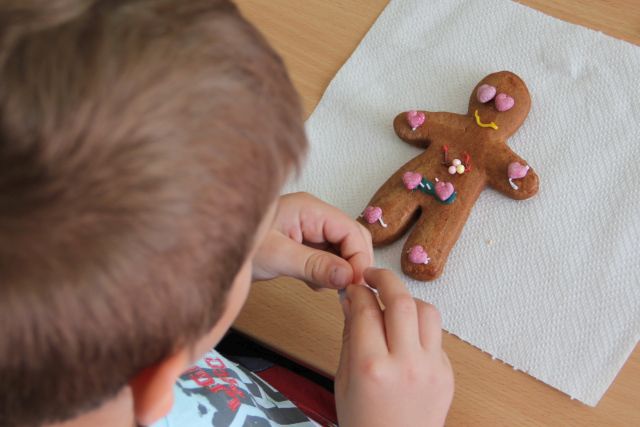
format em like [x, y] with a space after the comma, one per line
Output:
[393, 371]
[315, 242]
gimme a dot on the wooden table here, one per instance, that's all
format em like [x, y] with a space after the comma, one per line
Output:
[315, 37]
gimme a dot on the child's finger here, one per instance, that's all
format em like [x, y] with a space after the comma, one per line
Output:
[326, 223]
[287, 257]
[353, 240]
[318, 222]
[366, 326]
[400, 314]
[322, 268]
[430, 325]
[360, 264]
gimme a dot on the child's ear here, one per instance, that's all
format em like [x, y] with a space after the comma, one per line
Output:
[152, 388]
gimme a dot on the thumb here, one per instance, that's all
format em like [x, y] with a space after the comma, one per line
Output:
[325, 269]
[314, 266]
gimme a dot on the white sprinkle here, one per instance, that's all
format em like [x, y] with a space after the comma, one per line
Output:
[515, 187]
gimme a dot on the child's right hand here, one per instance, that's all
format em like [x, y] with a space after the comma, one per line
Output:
[393, 371]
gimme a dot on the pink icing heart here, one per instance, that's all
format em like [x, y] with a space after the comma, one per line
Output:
[411, 180]
[372, 214]
[444, 190]
[516, 171]
[485, 93]
[415, 119]
[504, 102]
[418, 255]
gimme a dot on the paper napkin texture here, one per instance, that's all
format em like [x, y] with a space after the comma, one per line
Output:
[550, 285]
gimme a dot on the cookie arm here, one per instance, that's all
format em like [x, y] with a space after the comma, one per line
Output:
[498, 170]
[418, 137]
[435, 125]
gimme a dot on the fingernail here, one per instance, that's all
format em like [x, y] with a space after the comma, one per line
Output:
[339, 277]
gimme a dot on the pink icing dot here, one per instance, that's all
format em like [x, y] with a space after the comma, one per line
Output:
[417, 255]
[411, 180]
[415, 119]
[372, 214]
[444, 190]
[504, 102]
[515, 170]
[485, 93]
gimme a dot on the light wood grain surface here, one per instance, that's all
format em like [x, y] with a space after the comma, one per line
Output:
[315, 37]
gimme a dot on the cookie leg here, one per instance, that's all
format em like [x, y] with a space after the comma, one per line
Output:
[390, 213]
[427, 248]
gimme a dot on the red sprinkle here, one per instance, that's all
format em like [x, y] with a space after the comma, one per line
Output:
[467, 162]
[445, 152]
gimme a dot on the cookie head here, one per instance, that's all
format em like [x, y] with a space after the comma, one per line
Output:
[500, 103]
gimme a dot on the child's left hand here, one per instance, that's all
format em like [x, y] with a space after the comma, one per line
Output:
[303, 242]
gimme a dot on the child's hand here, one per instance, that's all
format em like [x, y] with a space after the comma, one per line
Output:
[393, 371]
[306, 236]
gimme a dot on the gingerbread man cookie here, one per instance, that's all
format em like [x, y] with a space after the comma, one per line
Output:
[462, 155]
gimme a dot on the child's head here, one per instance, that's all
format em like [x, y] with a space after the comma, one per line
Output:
[141, 144]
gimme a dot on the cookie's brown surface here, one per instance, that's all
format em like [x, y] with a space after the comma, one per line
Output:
[484, 153]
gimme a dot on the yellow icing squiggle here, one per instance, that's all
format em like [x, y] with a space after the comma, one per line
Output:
[491, 125]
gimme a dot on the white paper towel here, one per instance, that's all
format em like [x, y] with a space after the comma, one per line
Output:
[550, 285]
